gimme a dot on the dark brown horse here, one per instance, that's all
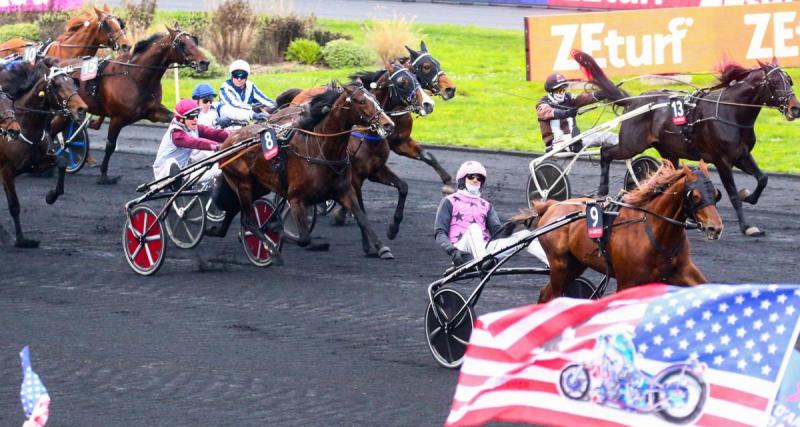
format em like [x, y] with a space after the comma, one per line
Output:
[317, 163]
[720, 128]
[129, 89]
[84, 35]
[46, 89]
[648, 242]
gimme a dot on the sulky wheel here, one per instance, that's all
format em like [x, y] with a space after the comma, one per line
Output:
[185, 221]
[580, 287]
[143, 241]
[643, 167]
[325, 207]
[76, 146]
[290, 228]
[448, 343]
[255, 249]
[553, 183]
[213, 212]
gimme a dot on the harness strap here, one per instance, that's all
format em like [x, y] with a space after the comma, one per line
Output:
[668, 254]
[367, 137]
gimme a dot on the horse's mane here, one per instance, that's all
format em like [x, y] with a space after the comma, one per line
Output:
[17, 78]
[661, 179]
[142, 45]
[368, 77]
[729, 72]
[319, 106]
[74, 24]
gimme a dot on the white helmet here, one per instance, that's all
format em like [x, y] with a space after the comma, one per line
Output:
[470, 167]
[239, 64]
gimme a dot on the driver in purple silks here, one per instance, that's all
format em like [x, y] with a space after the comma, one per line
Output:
[465, 221]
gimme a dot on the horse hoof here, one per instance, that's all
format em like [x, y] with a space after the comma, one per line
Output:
[105, 180]
[26, 243]
[385, 253]
[448, 189]
[753, 231]
[277, 259]
[51, 197]
[215, 231]
[393, 230]
[318, 246]
[743, 193]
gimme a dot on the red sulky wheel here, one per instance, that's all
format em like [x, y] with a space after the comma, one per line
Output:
[254, 248]
[143, 241]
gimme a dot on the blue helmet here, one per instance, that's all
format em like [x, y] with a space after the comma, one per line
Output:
[203, 90]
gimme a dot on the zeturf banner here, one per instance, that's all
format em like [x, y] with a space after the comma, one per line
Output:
[670, 41]
[8, 6]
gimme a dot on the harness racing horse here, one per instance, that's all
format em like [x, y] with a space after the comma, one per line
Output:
[47, 89]
[129, 89]
[719, 129]
[84, 35]
[659, 209]
[316, 165]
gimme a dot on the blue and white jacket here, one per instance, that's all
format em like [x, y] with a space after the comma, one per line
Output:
[235, 103]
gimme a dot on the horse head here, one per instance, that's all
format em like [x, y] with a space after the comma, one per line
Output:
[778, 86]
[430, 73]
[700, 200]
[186, 50]
[364, 109]
[59, 88]
[113, 30]
[8, 120]
[405, 89]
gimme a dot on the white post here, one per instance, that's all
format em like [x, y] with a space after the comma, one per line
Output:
[177, 86]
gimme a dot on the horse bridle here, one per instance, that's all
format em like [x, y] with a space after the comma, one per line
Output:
[56, 72]
[373, 121]
[8, 116]
[428, 82]
[105, 26]
[394, 91]
[780, 97]
[181, 48]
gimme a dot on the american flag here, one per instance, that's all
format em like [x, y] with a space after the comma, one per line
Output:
[35, 400]
[742, 335]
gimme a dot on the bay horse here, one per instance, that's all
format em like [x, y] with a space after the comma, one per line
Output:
[316, 166]
[720, 128]
[85, 34]
[129, 89]
[646, 243]
[44, 89]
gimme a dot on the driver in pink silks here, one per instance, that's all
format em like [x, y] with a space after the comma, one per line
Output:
[465, 221]
[183, 136]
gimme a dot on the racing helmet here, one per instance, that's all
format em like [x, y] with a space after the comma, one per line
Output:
[468, 168]
[203, 90]
[185, 107]
[239, 65]
[554, 82]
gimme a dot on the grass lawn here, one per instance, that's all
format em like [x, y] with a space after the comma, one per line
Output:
[493, 107]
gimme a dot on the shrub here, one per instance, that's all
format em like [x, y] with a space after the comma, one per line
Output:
[388, 38]
[231, 29]
[138, 18]
[275, 34]
[196, 23]
[322, 37]
[17, 17]
[51, 24]
[344, 53]
[304, 51]
[26, 30]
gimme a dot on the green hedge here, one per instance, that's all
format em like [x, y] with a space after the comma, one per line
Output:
[27, 31]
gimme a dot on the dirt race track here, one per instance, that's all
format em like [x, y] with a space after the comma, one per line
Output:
[331, 338]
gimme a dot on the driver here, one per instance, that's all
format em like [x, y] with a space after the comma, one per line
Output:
[465, 221]
[238, 96]
[556, 112]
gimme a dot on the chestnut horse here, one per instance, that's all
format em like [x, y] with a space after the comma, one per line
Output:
[646, 243]
[47, 90]
[84, 35]
[720, 128]
[129, 89]
[316, 166]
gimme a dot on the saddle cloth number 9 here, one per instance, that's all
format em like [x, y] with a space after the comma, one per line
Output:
[594, 220]
[269, 143]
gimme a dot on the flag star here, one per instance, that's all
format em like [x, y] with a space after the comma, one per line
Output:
[674, 331]
[673, 301]
[706, 315]
[718, 360]
[694, 355]
[683, 344]
[750, 344]
[765, 337]
[700, 336]
[649, 327]
[757, 357]
[725, 340]
[772, 348]
[765, 370]
[748, 311]
[755, 293]
[715, 328]
[723, 307]
[772, 288]
[734, 352]
[715, 295]
[739, 299]
[690, 323]
[765, 304]
[667, 352]
[758, 324]
[681, 311]
[697, 303]
[773, 317]
[790, 310]
[643, 348]
[664, 319]
[741, 364]
[780, 329]
[657, 309]
[732, 319]
[710, 348]
[781, 298]
[706, 291]
[741, 332]
[797, 292]
[658, 339]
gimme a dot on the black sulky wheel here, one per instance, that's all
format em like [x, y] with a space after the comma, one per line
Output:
[325, 207]
[186, 221]
[143, 240]
[553, 183]
[582, 288]
[448, 343]
[255, 249]
[643, 167]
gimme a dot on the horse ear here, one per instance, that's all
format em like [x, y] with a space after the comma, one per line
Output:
[414, 53]
[422, 46]
[177, 26]
[97, 11]
[105, 8]
[689, 173]
[169, 29]
[774, 61]
[763, 65]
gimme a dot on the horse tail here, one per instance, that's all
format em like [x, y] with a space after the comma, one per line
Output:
[287, 96]
[530, 217]
[595, 74]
